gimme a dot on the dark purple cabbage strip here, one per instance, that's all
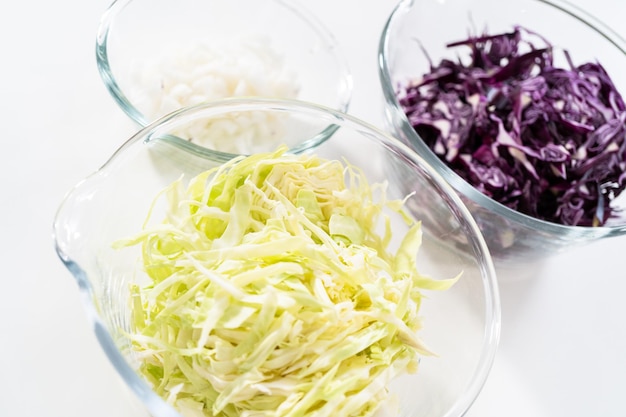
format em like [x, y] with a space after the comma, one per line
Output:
[545, 141]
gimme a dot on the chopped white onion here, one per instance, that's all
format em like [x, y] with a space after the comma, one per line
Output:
[186, 75]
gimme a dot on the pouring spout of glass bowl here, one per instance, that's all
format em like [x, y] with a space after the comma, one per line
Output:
[77, 244]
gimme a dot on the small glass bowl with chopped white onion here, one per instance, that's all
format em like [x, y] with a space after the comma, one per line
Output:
[520, 106]
[157, 56]
[293, 284]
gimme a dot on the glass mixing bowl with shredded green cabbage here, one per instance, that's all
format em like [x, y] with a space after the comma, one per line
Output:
[281, 282]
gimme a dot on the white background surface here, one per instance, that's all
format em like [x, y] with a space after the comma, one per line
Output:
[563, 346]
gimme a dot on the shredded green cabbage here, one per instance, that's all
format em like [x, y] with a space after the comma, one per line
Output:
[273, 291]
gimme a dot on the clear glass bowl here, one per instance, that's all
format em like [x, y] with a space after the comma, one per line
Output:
[461, 325]
[156, 56]
[416, 26]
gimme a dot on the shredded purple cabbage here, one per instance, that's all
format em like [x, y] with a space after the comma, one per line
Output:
[545, 141]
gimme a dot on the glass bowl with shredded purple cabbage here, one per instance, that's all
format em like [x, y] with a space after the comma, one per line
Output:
[521, 107]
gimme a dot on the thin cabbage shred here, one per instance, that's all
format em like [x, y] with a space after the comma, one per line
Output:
[273, 293]
[546, 141]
